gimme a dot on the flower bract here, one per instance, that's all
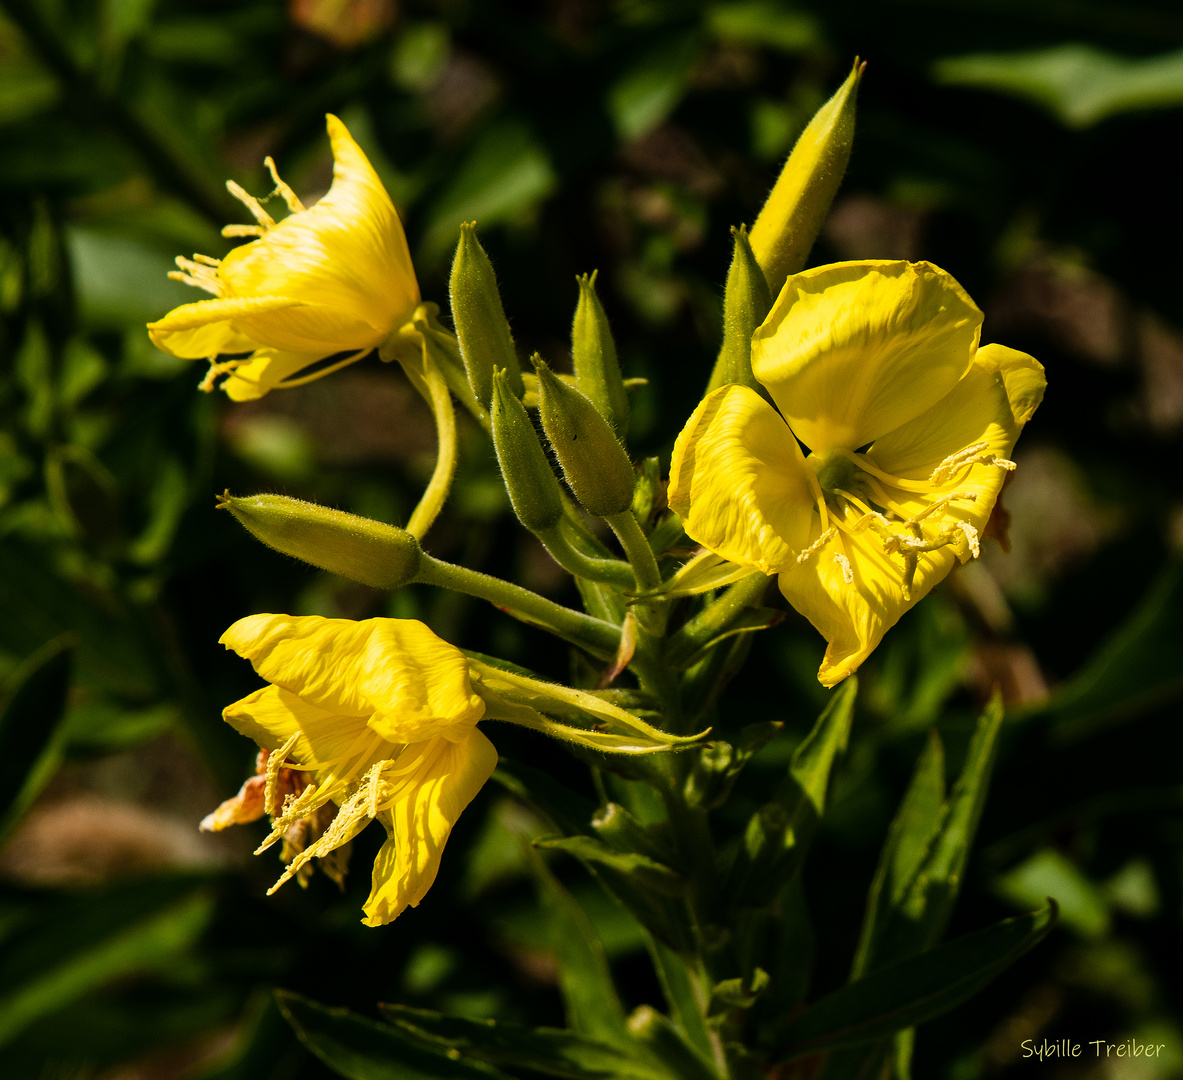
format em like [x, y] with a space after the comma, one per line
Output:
[360, 721]
[333, 280]
[907, 424]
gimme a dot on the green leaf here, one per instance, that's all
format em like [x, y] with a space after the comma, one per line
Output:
[676, 984]
[83, 941]
[553, 1051]
[1136, 668]
[779, 833]
[644, 872]
[360, 1049]
[652, 87]
[738, 993]
[655, 1031]
[1083, 906]
[1078, 84]
[593, 1007]
[772, 24]
[506, 173]
[915, 990]
[32, 732]
[569, 812]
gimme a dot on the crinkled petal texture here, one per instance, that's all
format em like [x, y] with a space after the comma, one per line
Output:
[405, 682]
[988, 406]
[852, 350]
[334, 277]
[437, 780]
[739, 481]
[324, 739]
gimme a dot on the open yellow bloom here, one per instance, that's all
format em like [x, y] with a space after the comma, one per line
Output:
[377, 720]
[335, 278]
[875, 367]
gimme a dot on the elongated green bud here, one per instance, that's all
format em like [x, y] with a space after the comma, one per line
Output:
[746, 303]
[354, 547]
[597, 371]
[593, 461]
[793, 215]
[481, 326]
[532, 485]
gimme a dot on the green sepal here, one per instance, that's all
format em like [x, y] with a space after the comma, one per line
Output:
[382, 556]
[746, 303]
[595, 465]
[597, 370]
[361, 1049]
[779, 833]
[915, 990]
[481, 327]
[551, 1051]
[533, 488]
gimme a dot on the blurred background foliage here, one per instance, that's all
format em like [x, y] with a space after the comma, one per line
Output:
[1025, 147]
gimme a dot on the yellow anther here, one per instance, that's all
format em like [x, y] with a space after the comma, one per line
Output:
[847, 569]
[274, 763]
[943, 501]
[233, 231]
[206, 260]
[954, 461]
[971, 537]
[282, 189]
[817, 545]
[251, 203]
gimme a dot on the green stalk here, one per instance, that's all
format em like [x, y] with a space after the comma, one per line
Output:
[636, 547]
[597, 637]
[715, 618]
[435, 389]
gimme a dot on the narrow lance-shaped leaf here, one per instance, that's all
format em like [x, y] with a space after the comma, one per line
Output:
[593, 1007]
[551, 1051]
[779, 833]
[360, 1049]
[32, 730]
[679, 988]
[915, 990]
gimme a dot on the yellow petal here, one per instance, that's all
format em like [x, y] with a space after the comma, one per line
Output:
[271, 716]
[853, 350]
[206, 328]
[410, 684]
[989, 406]
[347, 253]
[421, 819]
[739, 481]
[263, 371]
[853, 616]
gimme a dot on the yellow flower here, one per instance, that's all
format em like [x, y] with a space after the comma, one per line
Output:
[336, 278]
[875, 367]
[375, 719]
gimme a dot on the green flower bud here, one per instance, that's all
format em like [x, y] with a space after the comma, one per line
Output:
[597, 371]
[354, 547]
[793, 215]
[481, 326]
[746, 303]
[532, 485]
[594, 463]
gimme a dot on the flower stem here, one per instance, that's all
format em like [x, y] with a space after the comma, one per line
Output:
[593, 635]
[636, 547]
[435, 389]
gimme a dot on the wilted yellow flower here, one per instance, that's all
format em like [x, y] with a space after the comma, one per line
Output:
[875, 368]
[375, 719]
[333, 279]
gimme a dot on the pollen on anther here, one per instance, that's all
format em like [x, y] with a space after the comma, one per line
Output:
[251, 203]
[817, 545]
[847, 569]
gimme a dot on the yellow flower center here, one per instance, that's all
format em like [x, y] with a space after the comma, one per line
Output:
[854, 498]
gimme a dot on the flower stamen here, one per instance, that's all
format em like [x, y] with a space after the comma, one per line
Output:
[282, 189]
[251, 203]
[817, 545]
